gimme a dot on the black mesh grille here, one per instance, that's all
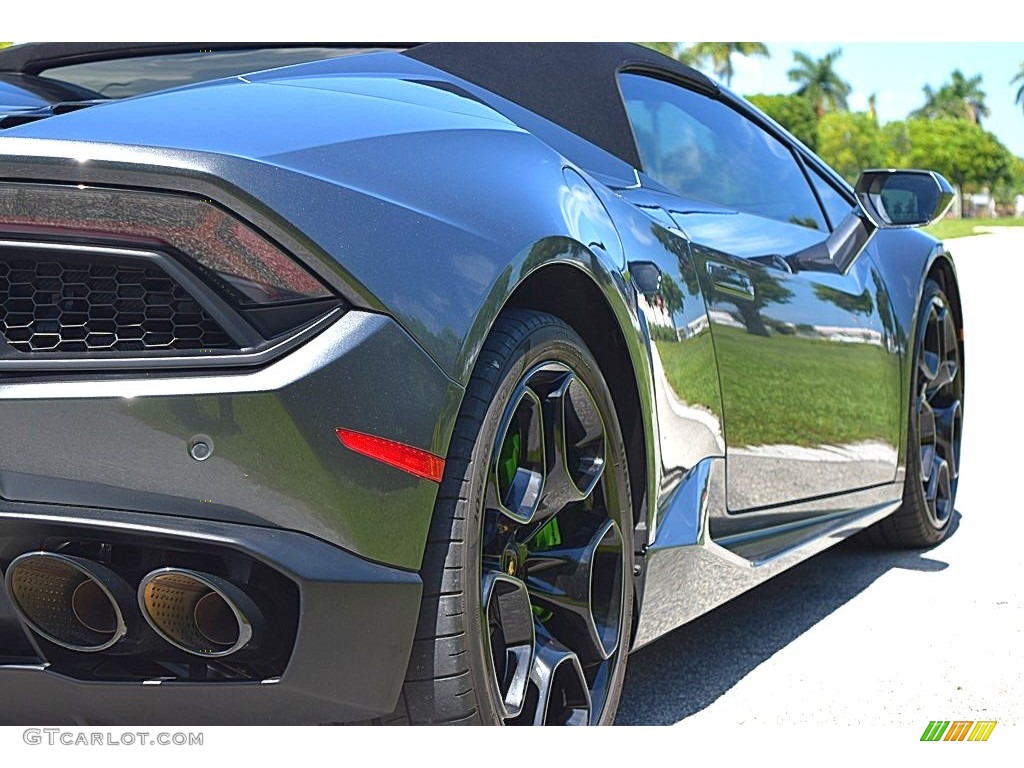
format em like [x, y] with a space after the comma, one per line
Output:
[51, 305]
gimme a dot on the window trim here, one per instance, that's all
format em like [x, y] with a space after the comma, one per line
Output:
[826, 179]
[802, 156]
[747, 110]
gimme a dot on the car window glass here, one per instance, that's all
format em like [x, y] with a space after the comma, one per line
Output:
[703, 149]
[836, 205]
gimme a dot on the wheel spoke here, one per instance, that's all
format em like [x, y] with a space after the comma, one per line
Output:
[939, 361]
[926, 434]
[938, 492]
[517, 477]
[558, 687]
[948, 423]
[945, 376]
[948, 350]
[582, 588]
[582, 436]
[511, 632]
[931, 348]
[574, 438]
[559, 492]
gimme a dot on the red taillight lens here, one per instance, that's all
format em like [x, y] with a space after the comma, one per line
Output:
[412, 460]
[248, 266]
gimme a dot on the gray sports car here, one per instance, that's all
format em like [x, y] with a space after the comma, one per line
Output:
[423, 383]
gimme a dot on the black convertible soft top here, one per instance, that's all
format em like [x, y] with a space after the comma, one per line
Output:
[574, 85]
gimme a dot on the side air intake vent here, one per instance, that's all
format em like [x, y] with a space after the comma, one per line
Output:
[51, 305]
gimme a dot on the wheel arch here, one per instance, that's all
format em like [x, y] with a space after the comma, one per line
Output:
[906, 260]
[943, 272]
[941, 269]
[912, 525]
[572, 294]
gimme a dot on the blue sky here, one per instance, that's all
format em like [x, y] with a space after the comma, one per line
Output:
[898, 71]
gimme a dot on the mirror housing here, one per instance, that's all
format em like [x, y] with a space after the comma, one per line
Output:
[902, 198]
[885, 200]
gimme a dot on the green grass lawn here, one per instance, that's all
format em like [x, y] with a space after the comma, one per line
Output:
[785, 389]
[950, 228]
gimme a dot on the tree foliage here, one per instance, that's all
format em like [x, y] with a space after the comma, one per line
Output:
[897, 142]
[961, 97]
[945, 134]
[672, 50]
[794, 113]
[851, 142]
[1006, 191]
[818, 82]
[962, 151]
[719, 56]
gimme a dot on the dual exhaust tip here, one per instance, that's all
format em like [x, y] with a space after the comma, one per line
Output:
[199, 613]
[75, 603]
[84, 606]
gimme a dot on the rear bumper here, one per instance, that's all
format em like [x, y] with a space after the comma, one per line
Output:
[356, 622]
[122, 441]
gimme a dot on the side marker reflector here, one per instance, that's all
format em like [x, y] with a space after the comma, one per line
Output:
[412, 460]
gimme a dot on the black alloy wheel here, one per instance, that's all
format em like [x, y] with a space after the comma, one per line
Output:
[528, 593]
[936, 424]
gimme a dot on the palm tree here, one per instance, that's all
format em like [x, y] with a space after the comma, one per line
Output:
[818, 82]
[1019, 78]
[672, 50]
[668, 49]
[720, 56]
[961, 98]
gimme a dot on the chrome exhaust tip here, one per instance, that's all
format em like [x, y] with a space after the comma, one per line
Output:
[199, 613]
[72, 602]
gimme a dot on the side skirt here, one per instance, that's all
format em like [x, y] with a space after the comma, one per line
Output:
[686, 573]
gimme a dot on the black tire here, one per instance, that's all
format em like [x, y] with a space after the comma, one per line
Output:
[936, 406]
[452, 674]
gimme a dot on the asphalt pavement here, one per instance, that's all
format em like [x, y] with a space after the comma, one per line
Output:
[857, 636]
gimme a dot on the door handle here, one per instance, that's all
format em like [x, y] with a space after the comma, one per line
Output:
[730, 280]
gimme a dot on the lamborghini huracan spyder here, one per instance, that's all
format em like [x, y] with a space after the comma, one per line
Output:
[423, 383]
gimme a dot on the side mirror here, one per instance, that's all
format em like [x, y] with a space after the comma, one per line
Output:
[903, 198]
[886, 199]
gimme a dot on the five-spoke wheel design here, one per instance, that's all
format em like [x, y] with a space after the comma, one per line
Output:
[552, 566]
[939, 393]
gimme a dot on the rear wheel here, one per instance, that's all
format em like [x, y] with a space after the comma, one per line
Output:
[936, 419]
[527, 591]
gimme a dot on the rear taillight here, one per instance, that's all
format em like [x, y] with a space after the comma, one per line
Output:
[247, 266]
[98, 274]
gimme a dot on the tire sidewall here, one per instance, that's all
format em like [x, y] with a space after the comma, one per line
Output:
[554, 342]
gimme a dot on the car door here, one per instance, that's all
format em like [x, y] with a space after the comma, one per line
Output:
[809, 375]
